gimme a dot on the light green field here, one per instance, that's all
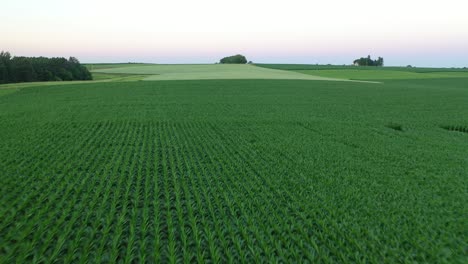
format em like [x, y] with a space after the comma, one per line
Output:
[366, 74]
[371, 73]
[210, 71]
[117, 77]
[97, 78]
[97, 66]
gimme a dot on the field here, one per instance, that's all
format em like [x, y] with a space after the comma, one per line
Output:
[371, 73]
[238, 171]
[206, 71]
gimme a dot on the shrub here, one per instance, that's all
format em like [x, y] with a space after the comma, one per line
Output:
[236, 59]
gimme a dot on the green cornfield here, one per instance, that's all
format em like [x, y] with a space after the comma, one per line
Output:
[235, 171]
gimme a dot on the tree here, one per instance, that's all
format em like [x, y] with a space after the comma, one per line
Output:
[29, 69]
[236, 59]
[5, 67]
[369, 62]
[23, 70]
[380, 62]
[3, 73]
[79, 71]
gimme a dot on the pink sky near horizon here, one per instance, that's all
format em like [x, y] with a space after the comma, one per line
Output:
[422, 33]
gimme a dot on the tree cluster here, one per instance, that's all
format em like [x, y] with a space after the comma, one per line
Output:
[35, 69]
[369, 62]
[236, 59]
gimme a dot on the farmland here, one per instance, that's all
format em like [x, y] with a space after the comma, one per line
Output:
[157, 72]
[371, 73]
[234, 170]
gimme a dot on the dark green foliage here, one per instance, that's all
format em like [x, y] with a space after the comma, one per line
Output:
[369, 62]
[22, 70]
[236, 59]
[395, 126]
[463, 129]
[5, 67]
[240, 171]
[31, 69]
[4, 75]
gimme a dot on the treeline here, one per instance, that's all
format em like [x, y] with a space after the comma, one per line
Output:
[369, 62]
[236, 59]
[36, 69]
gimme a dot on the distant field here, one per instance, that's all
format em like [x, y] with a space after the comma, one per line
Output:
[219, 171]
[370, 73]
[277, 71]
[97, 78]
[209, 71]
[97, 66]
[351, 67]
[356, 74]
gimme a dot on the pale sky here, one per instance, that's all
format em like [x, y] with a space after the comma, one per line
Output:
[417, 32]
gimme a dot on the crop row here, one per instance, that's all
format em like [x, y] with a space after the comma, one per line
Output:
[152, 192]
